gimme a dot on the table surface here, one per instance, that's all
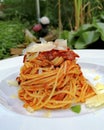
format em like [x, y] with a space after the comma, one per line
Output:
[12, 121]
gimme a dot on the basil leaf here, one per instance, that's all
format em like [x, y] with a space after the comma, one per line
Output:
[76, 108]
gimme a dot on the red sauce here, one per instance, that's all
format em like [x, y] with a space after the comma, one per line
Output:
[50, 55]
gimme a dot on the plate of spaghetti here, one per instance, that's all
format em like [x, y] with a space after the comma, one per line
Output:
[51, 83]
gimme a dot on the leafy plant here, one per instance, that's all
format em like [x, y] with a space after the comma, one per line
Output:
[87, 36]
[23, 9]
[11, 34]
[73, 13]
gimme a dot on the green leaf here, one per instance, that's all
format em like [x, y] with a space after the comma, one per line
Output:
[84, 28]
[102, 16]
[100, 29]
[76, 108]
[65, 34]
[86, 38]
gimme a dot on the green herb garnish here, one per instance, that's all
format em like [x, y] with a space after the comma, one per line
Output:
[76, 108]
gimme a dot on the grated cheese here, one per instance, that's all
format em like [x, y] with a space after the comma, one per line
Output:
[12, 83]
[95, 101]
[99, 88]
[97, 77]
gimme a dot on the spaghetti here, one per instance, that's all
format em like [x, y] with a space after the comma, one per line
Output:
[52, 80]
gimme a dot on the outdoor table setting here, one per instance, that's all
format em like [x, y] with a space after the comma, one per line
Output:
[12, 118]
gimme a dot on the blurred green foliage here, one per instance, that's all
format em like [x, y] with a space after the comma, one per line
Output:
[11, 34]
[89, 36]
[20, 14]
[26, 10]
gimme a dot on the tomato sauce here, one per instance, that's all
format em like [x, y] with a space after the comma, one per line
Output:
[66, 54]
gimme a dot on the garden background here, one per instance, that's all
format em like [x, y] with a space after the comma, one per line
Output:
[81, 22]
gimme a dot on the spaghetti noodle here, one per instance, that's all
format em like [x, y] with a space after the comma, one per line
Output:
[52, 80]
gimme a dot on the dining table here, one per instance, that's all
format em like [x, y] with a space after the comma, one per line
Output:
[11, 120]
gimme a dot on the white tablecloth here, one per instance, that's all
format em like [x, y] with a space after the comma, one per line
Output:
[12, 121]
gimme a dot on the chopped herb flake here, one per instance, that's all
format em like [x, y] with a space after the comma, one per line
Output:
[76, 108]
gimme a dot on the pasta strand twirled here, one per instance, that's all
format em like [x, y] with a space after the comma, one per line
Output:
[52, 82]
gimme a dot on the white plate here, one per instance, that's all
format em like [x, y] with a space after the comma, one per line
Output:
[9, 98]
